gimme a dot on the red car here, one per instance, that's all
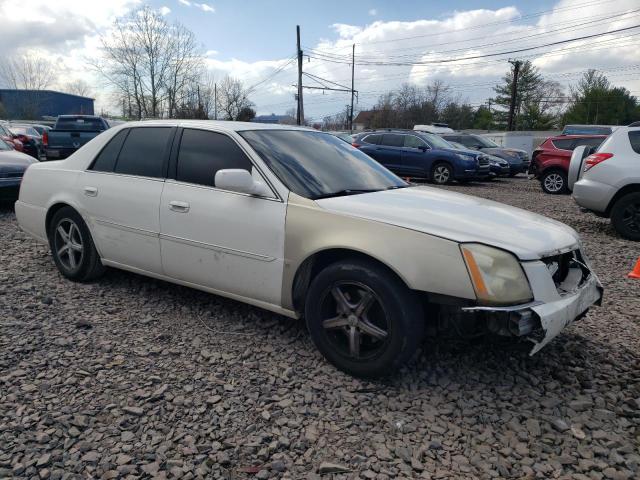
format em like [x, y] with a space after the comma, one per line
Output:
[10, 138]
[550, 161]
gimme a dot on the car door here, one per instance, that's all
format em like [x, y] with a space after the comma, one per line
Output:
[121, 196]
[226, 241]
[415, 156]
[369, 144]
[389, 152]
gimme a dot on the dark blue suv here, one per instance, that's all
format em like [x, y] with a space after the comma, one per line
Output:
[424, 155]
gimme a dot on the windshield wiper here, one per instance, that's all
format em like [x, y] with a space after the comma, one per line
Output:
[345, 192]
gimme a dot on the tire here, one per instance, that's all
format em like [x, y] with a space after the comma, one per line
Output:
[377, 341]
[554, 182]
[441, 173]
[72, 247]
[625, 216]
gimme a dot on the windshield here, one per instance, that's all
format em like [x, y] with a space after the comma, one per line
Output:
[585, 130]
[435, 141]
[485, 142]
[18, 130]
[314, 164]
[4, 145]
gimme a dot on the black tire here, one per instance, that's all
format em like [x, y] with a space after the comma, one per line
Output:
[86, 264]
[554, 182]
[441, 173]
[625, 216]
[394, 310]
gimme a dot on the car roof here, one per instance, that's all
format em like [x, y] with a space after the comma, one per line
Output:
[218, 124]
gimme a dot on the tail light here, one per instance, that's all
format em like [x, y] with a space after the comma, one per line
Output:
[354, 144]
[45, 138]
[594, 159]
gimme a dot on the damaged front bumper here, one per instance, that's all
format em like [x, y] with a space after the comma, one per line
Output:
[564, 288]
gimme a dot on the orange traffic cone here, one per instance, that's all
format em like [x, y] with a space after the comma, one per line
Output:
[635, 273]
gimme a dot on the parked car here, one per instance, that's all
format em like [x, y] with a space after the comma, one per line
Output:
[609, 183]
[10, 138]
[71, 132]
[550, 161]
[518, 159]
[30, 138]
[422, 155]
[298, 222]
[498, 167]
[12, 167]
[588, 130]
[41, 129]
[436, 128]
[345, 136]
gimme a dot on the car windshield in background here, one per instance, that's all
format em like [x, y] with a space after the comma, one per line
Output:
[78, 123]
[435, 141]
[485, 142]
[4, 146]
[316, 165]
[18, 130]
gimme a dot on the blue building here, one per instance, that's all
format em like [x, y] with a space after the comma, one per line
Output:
[35, 104]
[273, 118]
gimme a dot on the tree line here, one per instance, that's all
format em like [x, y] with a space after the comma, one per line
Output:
[541, 104]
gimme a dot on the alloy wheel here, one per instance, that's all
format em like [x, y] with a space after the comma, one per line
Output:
[631, 217]
[554, 182]
[354, 320]
[441, 174]
[68, 244]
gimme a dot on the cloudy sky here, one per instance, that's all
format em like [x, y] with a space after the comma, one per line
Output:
[402, 41]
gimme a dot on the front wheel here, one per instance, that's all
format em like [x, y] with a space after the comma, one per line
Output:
[554, 182]
[363, 318]
[72, 246]
[442, 173]
[625, 216]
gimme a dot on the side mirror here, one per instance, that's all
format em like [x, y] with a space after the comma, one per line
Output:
[424, 148]
[241, 181]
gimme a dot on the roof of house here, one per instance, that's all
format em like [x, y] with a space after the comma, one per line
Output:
[364, 116]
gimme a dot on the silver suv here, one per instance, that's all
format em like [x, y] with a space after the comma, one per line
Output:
[608, 181]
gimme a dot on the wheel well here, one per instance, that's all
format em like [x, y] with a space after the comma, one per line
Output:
[313, 265]
[634, 187]
[51, 212]
[553, 168]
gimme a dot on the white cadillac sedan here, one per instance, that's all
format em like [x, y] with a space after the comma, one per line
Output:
[300, 223]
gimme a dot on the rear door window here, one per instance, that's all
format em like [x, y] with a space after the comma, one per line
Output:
[393, 140]
[144, 152]
[590, 142]
[634, 138]
[203, 153]
[563, 144]
[106, 159]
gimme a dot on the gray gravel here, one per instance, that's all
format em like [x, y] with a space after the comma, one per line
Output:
[132, 377]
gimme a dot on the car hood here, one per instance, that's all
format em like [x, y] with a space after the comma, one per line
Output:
[461, 218]
[10, 160]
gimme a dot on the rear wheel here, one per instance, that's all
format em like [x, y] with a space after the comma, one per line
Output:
[554, 182]
[442, 173]
[362, 318]
[625, 216]
[72, 247]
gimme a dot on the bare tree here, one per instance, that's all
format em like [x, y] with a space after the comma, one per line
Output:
[233, 98]
[150, 62]
[78, 87]
[29, 72]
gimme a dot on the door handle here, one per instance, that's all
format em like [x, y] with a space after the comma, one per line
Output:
[180, 207]
[91, 191]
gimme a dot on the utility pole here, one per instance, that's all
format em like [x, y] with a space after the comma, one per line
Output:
[215, 101]
[353, 67]
[300, 119]
[514, 91]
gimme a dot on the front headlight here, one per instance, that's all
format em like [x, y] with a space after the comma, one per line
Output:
[496, 275]
[469, 158]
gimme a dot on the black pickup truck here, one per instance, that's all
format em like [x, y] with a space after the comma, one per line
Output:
[70, 133]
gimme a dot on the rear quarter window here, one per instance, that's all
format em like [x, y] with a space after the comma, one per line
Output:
[106, 159]
[563, 144]
[634, 139]
[374, 139]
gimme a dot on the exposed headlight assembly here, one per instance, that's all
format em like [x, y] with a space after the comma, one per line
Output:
[496, 275]
[463, 156]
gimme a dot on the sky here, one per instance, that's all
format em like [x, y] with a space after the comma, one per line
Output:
[397, 42]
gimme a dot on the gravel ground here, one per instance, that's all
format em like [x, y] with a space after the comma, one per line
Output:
[131, 377]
